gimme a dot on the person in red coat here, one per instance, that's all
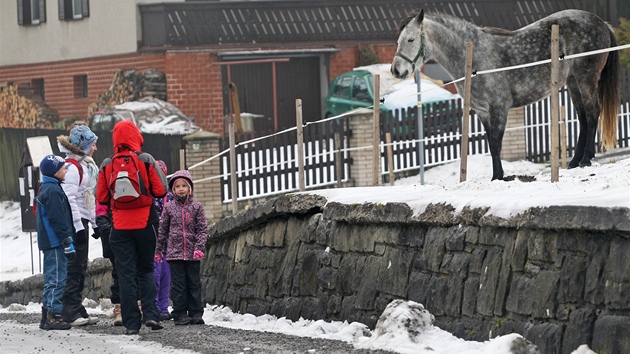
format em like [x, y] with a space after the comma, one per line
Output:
[134, 232]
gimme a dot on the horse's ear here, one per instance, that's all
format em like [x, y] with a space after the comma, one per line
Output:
[420, 16]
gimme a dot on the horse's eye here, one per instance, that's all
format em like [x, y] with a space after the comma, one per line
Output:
[410, 40]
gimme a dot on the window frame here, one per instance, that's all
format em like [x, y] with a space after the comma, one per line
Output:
[68, 10]
[80, 86]
[27, 11]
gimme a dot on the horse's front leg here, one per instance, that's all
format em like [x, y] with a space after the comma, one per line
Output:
[495, 128]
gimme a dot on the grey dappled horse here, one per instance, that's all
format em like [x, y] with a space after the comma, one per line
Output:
[593, 80]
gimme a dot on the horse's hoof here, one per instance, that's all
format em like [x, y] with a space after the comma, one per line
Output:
[585, 164]
[572, 166]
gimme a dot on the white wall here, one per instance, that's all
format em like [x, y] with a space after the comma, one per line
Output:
[113, 27]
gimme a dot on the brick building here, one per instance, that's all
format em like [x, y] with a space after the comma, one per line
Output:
[275, 52]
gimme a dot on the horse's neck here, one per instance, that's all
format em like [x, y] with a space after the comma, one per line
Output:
[448, 45]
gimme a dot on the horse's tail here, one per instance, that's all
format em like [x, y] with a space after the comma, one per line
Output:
[609, 97]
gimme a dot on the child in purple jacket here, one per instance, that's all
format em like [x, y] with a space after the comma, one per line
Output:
[161, 270]
[183, 232]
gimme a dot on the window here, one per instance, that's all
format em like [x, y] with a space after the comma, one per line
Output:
[73, 9]
[80, 86]
[342, 87]
[360, 90]
[31, 12]
[38, 88]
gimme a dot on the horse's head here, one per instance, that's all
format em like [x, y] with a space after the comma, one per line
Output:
[410, 45]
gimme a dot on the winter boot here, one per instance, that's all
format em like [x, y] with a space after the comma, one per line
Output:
[42, 323]
[117, 315]
[55, 322]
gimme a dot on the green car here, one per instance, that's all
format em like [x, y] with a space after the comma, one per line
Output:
[351, 90]
[355, 89]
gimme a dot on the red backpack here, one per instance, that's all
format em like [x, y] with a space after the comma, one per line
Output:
[127, 181]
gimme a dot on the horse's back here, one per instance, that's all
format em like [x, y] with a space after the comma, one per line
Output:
[579, 31]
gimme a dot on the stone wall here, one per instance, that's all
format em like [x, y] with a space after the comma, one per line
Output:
[558, 276]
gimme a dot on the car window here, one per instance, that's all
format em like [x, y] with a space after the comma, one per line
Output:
[342, 87]
[360, 90]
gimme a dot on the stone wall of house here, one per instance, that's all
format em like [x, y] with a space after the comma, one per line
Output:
[558, 275]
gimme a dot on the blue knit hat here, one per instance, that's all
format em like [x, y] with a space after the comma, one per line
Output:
[51, 164]
[83, 137]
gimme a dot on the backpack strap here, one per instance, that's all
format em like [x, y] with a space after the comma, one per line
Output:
[78, 166]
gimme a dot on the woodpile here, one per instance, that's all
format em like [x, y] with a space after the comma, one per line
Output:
[131, 85]
[21, 108]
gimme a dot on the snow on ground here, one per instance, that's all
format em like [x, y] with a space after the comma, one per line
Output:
[605, 184]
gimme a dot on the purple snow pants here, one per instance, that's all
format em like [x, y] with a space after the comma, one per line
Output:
[162, 275]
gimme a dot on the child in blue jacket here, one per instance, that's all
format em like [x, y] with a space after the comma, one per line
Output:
[54, 239]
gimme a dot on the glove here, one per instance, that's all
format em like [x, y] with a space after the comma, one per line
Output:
[69, 248]
[95, 234]
[197, 255]
[158, 257]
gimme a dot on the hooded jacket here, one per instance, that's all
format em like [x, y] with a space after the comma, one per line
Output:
[54, 217]
[80, 190]
[126, 136]
[183, 226]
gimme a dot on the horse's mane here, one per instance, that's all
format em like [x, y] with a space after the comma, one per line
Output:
[451, 22]
[405, 21]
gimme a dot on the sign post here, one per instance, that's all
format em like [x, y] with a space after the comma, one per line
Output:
[29, 182]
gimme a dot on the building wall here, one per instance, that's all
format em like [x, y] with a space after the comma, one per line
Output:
[112, 28]
[59, 84]
[194, 86]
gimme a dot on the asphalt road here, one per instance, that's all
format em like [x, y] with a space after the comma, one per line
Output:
[16, 338]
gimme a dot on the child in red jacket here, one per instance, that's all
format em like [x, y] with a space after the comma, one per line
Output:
[184, 229]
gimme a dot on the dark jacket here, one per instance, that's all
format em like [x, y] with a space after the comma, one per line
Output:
[54, 216]
[127, 136]
[183, 226]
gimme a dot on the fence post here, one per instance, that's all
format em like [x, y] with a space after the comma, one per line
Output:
[376, 138]
[199, 146]
[555, 87]
[390, 157]
[563, 137]
[300, 143]
[466, 120]
[338, 162]
[233, 169]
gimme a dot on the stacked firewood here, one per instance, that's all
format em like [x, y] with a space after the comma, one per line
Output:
[130, 85]
[21, 108]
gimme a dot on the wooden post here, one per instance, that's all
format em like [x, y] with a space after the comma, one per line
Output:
[182, 159]
[300, 143]
[338, 162]
[563, 137]
[376, 138]
[555, 101]
[463, 167]
[236, 107]
[390, 157]
[233, 186]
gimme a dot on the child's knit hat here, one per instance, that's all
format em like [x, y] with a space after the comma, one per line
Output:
[83, 137]
[50, 164]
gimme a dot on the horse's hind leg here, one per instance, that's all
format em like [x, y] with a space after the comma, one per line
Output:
[584, 98]
[576, 98]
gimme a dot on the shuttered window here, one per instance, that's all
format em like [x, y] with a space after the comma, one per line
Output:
[31, 12]
[73, 9]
